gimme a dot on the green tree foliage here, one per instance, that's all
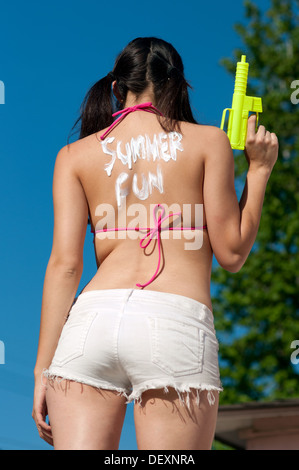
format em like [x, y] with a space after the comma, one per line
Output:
[257, 309]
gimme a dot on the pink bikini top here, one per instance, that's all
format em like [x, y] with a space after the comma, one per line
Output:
[157, 229]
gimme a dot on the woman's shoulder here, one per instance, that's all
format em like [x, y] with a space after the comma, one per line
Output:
[75, 148]
[71, 155]
[207, 134]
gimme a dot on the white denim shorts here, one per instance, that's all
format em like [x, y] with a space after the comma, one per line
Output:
[132, 340]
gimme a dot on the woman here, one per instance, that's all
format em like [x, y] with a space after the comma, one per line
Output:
[159, 192]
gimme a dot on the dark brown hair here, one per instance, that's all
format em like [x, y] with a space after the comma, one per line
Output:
[142, 62]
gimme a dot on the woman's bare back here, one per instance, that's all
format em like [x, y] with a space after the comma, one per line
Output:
[137, 166]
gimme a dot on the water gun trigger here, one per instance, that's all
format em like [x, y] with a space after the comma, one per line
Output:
[257, 119]
[223, 116]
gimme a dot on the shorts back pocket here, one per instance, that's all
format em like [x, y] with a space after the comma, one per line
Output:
[177, 346]
[73, 337]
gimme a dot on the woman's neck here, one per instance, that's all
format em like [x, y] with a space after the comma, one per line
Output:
[133, 100]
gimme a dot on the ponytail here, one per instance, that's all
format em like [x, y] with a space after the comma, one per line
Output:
[171, 88]
[96, 108]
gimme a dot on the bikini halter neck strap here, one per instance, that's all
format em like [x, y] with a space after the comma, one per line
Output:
[148, 107]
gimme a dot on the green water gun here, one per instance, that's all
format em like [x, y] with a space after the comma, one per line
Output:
[242, 105]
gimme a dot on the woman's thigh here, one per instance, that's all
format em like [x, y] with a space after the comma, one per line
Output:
[164, 423]
[83, 417]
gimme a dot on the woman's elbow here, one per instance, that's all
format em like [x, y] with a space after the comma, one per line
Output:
[233, 263]
[71, 267]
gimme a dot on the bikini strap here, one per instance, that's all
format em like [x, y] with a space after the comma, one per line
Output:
[151, 232]
[148, 107]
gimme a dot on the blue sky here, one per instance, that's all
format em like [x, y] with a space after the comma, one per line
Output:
[51, 53]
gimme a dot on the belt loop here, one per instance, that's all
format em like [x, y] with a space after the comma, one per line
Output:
[130, 292]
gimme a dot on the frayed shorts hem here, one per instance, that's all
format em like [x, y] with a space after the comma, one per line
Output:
[59, 377]
[183, 391]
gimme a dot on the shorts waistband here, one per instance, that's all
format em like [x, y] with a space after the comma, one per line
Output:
[87, 298]
[192, 306]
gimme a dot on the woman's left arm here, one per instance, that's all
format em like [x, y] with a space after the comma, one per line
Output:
[65, 264]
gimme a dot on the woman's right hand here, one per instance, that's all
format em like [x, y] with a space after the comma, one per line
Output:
[261, 149]
[39, 412]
